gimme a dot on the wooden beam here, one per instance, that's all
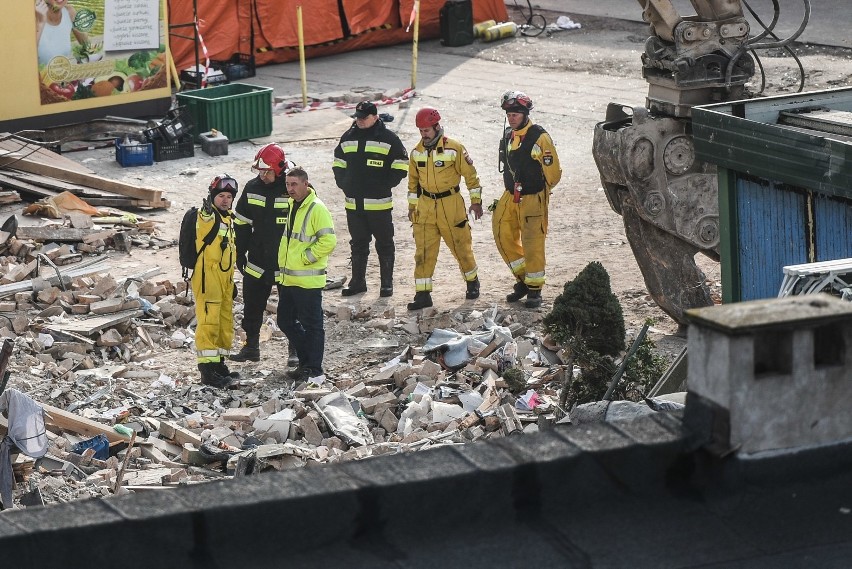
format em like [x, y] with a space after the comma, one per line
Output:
[52, 233]
[81, 425]
[91, 326]
[18, 162]
[32, 189]
[37, 153]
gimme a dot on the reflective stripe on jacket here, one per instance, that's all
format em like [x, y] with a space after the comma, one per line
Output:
[306, 245]
[369, 162]
[441, 169]
[260, 218]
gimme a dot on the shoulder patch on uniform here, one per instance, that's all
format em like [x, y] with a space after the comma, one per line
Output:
[467, 158]
[547, 159]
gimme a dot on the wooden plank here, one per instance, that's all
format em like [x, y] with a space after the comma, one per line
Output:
[10, 182]
[90, 326]
[18, 162]
[46, 186]
[52, 233]
[7, 197]
[178, 434]
[54, 184]
[39, 154]
[76, 424]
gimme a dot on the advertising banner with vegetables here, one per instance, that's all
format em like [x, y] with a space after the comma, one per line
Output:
[99, 48]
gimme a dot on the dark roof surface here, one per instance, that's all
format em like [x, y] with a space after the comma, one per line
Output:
[597, 495]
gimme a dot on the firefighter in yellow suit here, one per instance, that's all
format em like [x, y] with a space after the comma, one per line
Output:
[436, 207]
[213, 283]
[530, 169]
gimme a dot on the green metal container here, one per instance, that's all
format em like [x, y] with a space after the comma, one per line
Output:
[237, 110]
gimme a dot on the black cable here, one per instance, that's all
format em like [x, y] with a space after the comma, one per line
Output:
[762, 72]
[529, 21]
[766, 30]
[801, 68]
[753, 45]
[781, 43]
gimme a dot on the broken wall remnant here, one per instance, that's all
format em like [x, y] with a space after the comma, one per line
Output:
[770, 375]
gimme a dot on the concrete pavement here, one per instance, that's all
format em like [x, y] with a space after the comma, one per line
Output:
[829, 22]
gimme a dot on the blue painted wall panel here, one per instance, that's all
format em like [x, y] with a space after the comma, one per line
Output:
[833, 228]
[772, 233]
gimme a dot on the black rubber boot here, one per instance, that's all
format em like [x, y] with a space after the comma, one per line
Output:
[358, 282]
[422, 299]
[386, 275]
[292, 357]
[211, 377]
[223, 370]
[533, 298]
[250, 350]
[521, 291]
[472, 289]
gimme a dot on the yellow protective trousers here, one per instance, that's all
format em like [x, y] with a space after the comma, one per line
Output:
[519, 232]
[214, 312]
[213, 288]
[433, 220]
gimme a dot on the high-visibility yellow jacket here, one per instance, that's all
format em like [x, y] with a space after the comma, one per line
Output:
[306, 245]
[441, 169]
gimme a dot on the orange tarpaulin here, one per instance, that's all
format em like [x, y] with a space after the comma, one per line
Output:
[229, 27]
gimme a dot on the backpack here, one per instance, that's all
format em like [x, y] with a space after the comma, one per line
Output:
[187, 253]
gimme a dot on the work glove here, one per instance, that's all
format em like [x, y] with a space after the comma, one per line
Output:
[241, 264]
[412, 213]
[476, 210]
[206, 206]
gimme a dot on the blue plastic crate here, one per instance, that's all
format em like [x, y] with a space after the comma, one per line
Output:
[141, 154]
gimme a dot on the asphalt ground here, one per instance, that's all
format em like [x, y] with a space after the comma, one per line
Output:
[829, 22]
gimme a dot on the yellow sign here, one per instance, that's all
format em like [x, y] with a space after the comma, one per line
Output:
[99, 48]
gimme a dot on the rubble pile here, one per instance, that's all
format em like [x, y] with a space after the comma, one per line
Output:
[162, 430]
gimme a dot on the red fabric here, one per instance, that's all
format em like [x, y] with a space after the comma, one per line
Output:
[277, 22]
[363, 15]
[226, 28]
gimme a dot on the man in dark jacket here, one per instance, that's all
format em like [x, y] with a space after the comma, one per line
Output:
[259, 220]
[368, 162]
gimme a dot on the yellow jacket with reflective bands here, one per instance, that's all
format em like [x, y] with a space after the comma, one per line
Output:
[306, 245]
[441, 170]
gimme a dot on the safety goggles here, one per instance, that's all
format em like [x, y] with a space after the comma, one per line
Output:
[224, 183]
[516, 102]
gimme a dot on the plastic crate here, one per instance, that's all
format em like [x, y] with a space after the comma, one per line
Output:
[176, 125]
[192, 79]
[152, 134]
[184, 148]
[240, 66]
[141, 154]
[242, 111]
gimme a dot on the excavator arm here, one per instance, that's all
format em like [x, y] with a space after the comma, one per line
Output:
[645, 155]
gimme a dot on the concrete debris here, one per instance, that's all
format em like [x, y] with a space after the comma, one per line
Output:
[96, 373]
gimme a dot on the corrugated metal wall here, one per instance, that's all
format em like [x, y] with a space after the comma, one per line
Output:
[833, 235]
[772, 229]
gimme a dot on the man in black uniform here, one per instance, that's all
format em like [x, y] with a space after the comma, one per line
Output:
[259, 220]
[368, 162]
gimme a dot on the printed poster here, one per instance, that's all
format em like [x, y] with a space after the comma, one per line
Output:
[99, 48]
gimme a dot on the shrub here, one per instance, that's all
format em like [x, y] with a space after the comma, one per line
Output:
[588, 310]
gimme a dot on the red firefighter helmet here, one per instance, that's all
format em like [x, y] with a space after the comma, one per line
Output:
[426, 117]
[270, 157]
